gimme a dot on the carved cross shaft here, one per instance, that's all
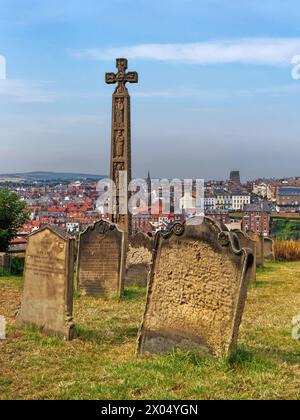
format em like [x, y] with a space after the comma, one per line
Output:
[122, 77]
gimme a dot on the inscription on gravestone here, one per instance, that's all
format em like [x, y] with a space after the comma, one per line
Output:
[197, 291]
[100, 264]
[47, 300]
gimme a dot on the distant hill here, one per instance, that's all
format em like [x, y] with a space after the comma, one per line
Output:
[52, 176]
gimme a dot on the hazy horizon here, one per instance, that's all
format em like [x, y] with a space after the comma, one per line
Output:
[226, 178]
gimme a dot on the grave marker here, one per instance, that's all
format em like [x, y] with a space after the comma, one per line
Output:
[138, 261]
[101, 260]
[247, 242]
[269, 251]
[197, 291]
[47, 300]
[5, 263]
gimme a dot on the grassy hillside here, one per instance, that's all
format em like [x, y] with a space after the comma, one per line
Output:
[102, 363]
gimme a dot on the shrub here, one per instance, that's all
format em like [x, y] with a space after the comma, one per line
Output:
[17, 266]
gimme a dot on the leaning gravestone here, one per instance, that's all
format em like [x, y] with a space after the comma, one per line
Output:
[138, 261]
[48, 283]
[101, 260]
[247, 242]
[269, 251]
[197, 291]
[5, 263]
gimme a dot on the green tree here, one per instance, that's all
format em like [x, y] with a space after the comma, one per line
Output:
[13, 215]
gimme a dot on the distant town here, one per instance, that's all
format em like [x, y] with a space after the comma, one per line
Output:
[267, 206]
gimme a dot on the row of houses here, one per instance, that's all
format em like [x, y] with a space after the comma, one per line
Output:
[226, 200]
[282, 196]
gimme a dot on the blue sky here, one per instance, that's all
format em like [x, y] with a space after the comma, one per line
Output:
[215, 90]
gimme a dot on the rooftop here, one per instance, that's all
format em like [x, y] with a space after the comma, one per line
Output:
[289, 191]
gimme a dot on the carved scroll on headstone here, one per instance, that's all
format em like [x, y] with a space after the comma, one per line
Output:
[138, 261]
[197, 291]
[101, 260]
[47, 300]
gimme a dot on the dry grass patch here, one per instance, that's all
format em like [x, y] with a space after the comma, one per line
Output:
[101, 363]
[287, 250]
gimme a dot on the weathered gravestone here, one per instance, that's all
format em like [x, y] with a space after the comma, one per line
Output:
[269, 250]
[197, 291]
[5, 263]
[138, 261]
[247, 242]
[101, 260]
[259, 239]
[47, 300]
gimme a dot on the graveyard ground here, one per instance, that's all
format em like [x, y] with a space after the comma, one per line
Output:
[101, 364]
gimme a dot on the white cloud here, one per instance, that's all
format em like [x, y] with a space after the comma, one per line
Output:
[262, 51]
[22, 91]
[219, 94]
[25, 91]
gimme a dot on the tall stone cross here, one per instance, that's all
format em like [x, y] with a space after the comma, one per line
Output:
[121, 140]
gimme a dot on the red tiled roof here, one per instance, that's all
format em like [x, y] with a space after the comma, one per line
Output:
[18, 241]
[56, 209]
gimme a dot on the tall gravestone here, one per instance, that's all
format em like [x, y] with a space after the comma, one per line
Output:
[47, 300]
[247, 242]
[121, 140]
[5, 263]
[197, 291]
[269, 249]
[138, 261]
[259, 239]
[101, 260]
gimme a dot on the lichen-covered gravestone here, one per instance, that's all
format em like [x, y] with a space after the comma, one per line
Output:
[138, 261]
[247, 242]
[269, 251]
[47, 300]
[197, 291]
[5, 263]
[101, 260]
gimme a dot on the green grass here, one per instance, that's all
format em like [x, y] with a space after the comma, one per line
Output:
[101, 363]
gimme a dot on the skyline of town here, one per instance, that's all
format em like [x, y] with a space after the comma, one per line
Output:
[270, 207]
[17, 176]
